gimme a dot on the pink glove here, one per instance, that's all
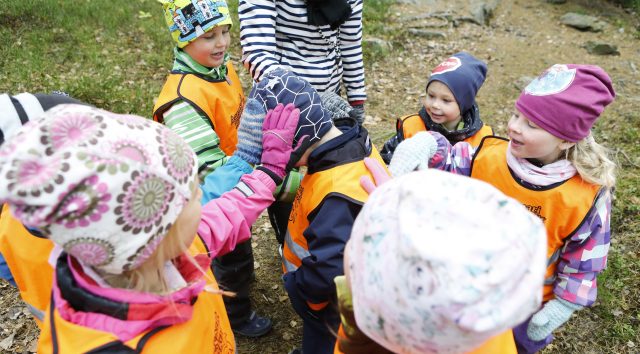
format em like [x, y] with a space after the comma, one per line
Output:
[379, 173]
[278, 130]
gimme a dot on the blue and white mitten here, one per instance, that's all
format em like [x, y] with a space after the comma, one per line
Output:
[552, 315]
[249, 146]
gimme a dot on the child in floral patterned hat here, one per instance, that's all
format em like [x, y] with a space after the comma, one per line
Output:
[120, 196]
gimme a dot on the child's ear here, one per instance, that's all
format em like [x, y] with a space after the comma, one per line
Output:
[564, 145]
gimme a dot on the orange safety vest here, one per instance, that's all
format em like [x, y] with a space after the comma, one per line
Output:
[502, 343]
[28, 259]
[562, 208]
[342, 180]
[222, 101]
[412, 124]
[208, 331]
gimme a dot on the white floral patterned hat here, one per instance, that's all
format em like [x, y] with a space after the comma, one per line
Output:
[440, 263]
[106, 187]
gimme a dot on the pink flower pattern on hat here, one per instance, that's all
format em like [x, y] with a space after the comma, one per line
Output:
[91, 251]
[85, 203]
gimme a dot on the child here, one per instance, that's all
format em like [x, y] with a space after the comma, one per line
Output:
[450, 107]
[119, 194]
[555, 168]
[326, 204]
[447, 287]
[24, 252]
[202, 101]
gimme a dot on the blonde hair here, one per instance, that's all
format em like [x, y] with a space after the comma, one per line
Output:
[150, 276]
[592, 162]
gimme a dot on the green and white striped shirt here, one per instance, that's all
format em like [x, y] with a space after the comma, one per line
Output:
[190, 124]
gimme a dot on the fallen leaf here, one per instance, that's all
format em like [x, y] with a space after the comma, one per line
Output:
[7, 342]
[293, 323]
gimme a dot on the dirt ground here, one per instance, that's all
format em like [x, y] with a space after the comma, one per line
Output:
[521, 39]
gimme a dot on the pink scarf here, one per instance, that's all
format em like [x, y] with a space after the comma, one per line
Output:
[555, 172]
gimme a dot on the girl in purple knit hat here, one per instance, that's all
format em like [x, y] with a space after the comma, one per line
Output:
[552, 164]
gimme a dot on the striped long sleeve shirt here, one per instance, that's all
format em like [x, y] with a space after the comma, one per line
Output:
[277, 33]
[584, 254]
[192, 125]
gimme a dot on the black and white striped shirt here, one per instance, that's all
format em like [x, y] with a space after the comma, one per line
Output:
[276, 33]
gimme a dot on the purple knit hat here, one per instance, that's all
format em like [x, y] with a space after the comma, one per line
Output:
[567, 99]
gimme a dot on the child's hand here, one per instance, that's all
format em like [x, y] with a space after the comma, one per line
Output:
[413, 154]
[249, 146]
[552, 315]
[277, 139]
[379, 173]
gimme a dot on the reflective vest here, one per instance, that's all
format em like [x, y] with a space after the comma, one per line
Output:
[222, 101]
[208, 331]
[502, 343]
[342, 180]
[563, 208]
[28, 259]
[412, 124]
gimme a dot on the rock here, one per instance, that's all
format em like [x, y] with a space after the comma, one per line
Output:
[522, 82]
[376, 46]
[556, 2]
[426, 34]
[482, 10]
[582, 22]
[600, 48]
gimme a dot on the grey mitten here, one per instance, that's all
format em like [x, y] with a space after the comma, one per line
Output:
[357, 113]
[335, 104]
[413, 154]
[249, 146]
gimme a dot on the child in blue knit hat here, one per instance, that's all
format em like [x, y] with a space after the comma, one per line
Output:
[450, 107]
[326, 204]
[202, 101]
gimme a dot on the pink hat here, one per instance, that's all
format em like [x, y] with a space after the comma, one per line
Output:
[567, 99]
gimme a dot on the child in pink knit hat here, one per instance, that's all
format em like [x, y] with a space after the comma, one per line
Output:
[120, 197]
[551, 164]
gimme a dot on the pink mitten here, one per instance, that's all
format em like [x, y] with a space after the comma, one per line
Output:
[277, 138]
[379, 173]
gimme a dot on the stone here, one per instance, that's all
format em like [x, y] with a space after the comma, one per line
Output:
[582, 22]
[556, 2]
[601, 48]
[482, 10]
[376, 46]
[522, 82]
[426, 34]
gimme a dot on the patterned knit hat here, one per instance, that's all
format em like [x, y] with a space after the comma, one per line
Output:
[464, 75]
[567, 99]
[106, 187]
[189, 19]
[452, 274]
[282, 86]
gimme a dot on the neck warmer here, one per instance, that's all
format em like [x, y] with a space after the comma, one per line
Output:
[471, 120]
[546, 175]
[328, 12]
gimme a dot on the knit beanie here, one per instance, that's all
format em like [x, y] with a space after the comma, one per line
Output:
[567, 99]
[189, 19]
[20, 109]
[464, 75]
[454, 260]
[105, 187]
[282, 86]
